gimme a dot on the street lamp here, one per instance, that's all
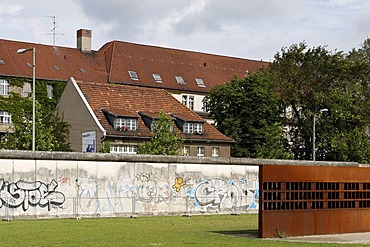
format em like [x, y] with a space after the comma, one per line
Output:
[21, 51]
[314, 134]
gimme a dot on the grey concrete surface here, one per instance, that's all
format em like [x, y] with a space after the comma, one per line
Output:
[348, 238]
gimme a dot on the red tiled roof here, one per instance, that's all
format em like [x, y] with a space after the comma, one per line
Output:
[121, 99]
[52, 62]
[113, 61]
[168, 63]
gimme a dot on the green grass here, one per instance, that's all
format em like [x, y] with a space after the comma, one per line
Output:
[203, 230]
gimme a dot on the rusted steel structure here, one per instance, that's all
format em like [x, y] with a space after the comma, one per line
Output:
[313, 200]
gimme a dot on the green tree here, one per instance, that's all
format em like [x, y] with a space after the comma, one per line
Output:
[310, 79]
[244, 109]
[51, 132]
[165, 140]
[276, 146]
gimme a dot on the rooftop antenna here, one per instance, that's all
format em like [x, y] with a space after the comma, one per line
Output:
[53, 31]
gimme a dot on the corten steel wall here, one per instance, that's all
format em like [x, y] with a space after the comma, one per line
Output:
[313, 200]
[48, 185]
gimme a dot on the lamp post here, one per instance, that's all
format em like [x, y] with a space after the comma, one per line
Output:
[21, 51]
[314, 134]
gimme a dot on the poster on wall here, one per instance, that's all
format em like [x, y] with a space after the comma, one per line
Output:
[89, 142]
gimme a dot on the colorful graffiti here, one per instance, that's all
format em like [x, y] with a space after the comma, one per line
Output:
[24, 194]
[179, 182]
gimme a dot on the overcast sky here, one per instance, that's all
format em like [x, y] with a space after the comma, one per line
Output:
[254, 29]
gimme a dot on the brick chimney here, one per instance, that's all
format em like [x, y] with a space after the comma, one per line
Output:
[84, 40]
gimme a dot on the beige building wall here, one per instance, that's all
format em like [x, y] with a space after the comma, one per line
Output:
[74, 111]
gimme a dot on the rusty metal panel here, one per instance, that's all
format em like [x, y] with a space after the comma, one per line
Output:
[310, 200]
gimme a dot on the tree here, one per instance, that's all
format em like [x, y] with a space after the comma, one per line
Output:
[51, 132]
[310, 79]
[244, 110]
[165, 140]
[276, 146]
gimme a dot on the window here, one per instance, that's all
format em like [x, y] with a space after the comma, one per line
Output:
[191, 128]
[191, 102]
[188, 100]
[125, 149]
[198, 127]
[133, 75]
[157, 78]
[154, 126]
[186, 150]
[27, 89]
[49, 89]
[215, 152]
[125, 124]
[5, 117]
[2, 62]
[205, 107]
[188, 128]
[200, 82]
[56, 67]
[4, 87]
[180, 80]
[185, 100]
[200, 151]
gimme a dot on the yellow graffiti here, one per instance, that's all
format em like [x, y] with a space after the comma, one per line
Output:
[179, 182]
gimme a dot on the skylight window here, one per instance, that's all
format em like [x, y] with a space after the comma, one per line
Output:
[29, 65]
[157, 78]
[56, 67]
[180, 80]
[2, 62]
[200, 82]
[82, 70]
[133, 75]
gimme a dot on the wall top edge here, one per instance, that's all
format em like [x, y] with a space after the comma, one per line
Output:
[108, 157]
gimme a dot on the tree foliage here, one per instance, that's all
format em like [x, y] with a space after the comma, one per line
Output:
[310, 79]
[244, 110]
[165, 140]
[51, 132]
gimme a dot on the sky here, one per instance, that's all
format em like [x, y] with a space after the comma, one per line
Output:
[253, 29]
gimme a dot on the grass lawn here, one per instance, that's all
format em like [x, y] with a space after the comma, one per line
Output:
[202, 230]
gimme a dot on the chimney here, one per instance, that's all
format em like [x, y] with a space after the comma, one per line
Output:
[84, 40]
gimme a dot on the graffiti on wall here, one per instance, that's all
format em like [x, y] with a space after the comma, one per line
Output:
[218, 194]
[24, 194]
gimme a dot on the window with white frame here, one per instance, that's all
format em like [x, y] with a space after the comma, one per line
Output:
[4, 87]
[200, 151]
[205, 107]
[186, 150]
[27, 89]
[215, 152]
[191, 128]
[185, 100]
[180, 80]
[191, 102]
[157, 78]
[200, 82]
[188, 100]
[5, 117]
[123, 149]
[125, 124]
[133, 75]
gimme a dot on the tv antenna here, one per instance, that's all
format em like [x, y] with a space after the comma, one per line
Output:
[53, 31]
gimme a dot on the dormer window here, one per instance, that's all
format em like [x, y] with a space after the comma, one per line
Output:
[133, 75]
[200, 82]
[193, 128]
[157, 78]
[180, 80]
[124, 124]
